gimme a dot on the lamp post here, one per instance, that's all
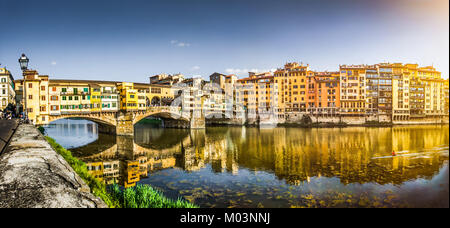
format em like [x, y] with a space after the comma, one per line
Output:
[23, 61]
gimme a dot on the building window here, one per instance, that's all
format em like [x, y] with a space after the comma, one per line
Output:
[43, 88]
[155, 90]
[64, 90]
[54, 89]
[30, 85]
[42, 98]
[30, 97]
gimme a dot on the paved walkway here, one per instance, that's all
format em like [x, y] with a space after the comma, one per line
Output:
[32, 174]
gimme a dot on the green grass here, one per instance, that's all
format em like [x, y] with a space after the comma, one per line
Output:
[141, 196]
[144, 196]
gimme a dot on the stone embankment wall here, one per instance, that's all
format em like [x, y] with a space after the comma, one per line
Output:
[423, 121]
[306, 119]
[33, 175]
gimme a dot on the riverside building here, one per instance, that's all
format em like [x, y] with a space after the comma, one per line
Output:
[383, 92]
[257, 94]
[7, 90]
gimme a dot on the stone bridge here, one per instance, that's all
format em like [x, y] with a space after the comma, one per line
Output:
[122, 123]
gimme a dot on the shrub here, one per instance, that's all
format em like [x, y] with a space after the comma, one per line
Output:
[144, 196]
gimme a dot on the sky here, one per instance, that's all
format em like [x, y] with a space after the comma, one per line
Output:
[132, 40]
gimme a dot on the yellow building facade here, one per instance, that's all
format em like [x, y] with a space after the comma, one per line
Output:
[353, 89]
[291, 83]
[257, 93]
[128, 96]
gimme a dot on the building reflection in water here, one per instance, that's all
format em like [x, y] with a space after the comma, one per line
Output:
[354, 154]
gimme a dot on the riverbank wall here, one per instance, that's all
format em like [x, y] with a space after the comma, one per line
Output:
[306, 120]
[33, 175]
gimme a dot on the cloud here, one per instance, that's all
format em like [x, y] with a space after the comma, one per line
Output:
[194, 68]
[245, 71]
[236, 71]
[179, 44]
[53, 63]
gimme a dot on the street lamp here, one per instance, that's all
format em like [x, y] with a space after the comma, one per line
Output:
[23, 61]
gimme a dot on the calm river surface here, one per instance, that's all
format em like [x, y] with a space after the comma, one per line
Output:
[280, 167]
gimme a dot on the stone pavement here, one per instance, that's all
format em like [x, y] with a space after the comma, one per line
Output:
[33, 175]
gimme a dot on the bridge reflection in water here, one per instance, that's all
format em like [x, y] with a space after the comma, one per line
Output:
[300, 158]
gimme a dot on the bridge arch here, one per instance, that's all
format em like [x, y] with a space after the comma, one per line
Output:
[163, 114]
[106, 122]
[171, 116]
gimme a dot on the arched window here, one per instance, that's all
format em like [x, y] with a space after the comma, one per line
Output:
[156, 101]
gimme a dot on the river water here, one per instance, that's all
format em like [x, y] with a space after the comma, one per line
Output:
[279, 167]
